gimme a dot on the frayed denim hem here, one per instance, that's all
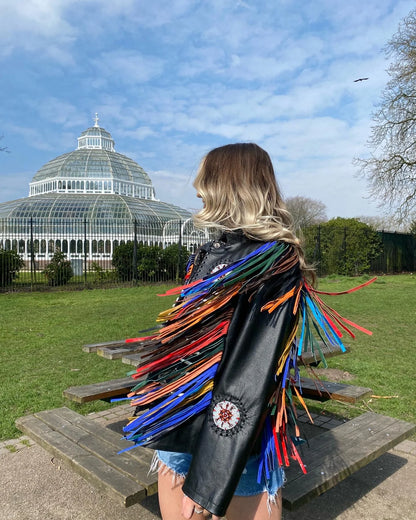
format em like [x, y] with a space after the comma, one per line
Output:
[158, 466]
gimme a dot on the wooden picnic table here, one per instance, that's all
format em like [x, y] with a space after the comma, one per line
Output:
[91, 449]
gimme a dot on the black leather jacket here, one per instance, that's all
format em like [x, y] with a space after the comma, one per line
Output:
[245, 377]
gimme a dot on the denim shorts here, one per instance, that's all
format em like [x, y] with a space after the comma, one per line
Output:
[179, 463]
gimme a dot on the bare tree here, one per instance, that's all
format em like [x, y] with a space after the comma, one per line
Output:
[391, 168]
[3, 148]
[306, 212]
[384, 223]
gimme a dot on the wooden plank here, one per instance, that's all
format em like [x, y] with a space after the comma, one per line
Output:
[103, 390]
[92, 347]
[324, 390]
[103, 443]
[132, 359]
[309, 358]
[336, 454]
[117, 352]
[310, 388]
[104, 477]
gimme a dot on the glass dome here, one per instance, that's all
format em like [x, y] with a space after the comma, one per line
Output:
[95, 167]
[92, 194]
[97, 207]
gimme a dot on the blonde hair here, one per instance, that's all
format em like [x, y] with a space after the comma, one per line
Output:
[239, 189]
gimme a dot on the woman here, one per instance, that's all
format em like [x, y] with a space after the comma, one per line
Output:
[214, 377]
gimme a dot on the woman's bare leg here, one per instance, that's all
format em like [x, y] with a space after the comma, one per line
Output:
[241, 508]
[171, 495]
[255, 508]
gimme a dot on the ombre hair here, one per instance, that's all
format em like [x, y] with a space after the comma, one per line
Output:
[239, 189]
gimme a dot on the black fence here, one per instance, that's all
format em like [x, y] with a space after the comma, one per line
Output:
[398, 253]
[354, 251]
[42, 253]
[39, 253]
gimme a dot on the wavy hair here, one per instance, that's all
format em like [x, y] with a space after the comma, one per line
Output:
[239, 189]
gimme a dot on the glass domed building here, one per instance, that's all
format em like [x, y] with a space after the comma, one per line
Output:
[88, 201]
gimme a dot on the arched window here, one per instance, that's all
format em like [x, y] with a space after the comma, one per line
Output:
[65, 246]
[21, 246]
[101, 246]
[94, 247]
[79, 246]
[108, 246]
[86, 246]
[72, 246]
[14, 244]
[43, 246]
[59, 185]
[51, 246]
[58, 244]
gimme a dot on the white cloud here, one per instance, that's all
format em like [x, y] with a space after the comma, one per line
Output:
[35, 25]
[174, 78]
[128, 66]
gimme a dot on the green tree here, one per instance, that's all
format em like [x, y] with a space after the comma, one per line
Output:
[10, 265]
[391, 168]
[59, 270]
[342, 246]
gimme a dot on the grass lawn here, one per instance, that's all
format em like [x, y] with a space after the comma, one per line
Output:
[42, 335]
[41, 344]
[384, 361]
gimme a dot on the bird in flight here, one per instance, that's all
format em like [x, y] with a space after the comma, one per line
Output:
[360, 79]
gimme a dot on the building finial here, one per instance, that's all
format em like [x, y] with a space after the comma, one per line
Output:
[96, 119]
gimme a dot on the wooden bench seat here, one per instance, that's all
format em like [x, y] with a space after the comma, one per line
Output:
[335, 454]
[91, 450]
[96, 391]
[129, 352]
[310, 388]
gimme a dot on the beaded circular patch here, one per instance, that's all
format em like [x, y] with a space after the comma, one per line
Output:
[218, 267]
[226, 415]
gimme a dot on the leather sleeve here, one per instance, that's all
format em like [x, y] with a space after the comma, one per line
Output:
[246, 379]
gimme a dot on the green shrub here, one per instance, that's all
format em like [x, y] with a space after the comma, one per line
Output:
[153, 262]
[59, 271]
[343, 246]
[10, 265]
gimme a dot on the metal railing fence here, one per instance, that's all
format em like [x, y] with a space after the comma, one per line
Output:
[40, 253]
[33, 251]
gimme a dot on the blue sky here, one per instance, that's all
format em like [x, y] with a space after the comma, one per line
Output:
[171, 79]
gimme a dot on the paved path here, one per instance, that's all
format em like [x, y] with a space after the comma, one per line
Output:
[35, 486]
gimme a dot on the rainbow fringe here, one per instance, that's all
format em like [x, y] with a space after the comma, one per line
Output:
[180, 360]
